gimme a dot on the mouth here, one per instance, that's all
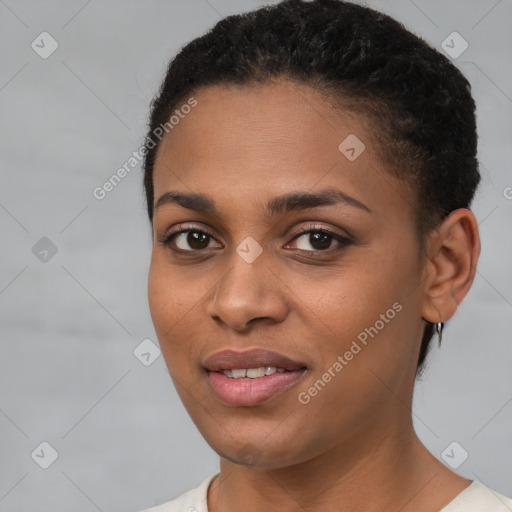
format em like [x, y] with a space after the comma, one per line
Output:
[251, 377]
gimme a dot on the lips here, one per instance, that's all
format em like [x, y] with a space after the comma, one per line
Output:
[245, 391]
[255, 358]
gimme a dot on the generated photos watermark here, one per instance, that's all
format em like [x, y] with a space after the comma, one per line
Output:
[111, 183]
[356, 347]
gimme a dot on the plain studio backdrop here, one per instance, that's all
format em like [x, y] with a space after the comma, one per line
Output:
[76, 79]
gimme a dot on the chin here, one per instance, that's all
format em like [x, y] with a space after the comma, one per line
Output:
[255, 450]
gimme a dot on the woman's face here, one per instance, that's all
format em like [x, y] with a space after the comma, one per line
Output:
[338, 307]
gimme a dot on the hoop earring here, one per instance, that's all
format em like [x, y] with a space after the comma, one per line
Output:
[439, 329]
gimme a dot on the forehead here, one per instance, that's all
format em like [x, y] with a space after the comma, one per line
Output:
[264, 140]
[283, 118]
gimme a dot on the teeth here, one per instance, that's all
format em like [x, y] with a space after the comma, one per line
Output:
[252, 373]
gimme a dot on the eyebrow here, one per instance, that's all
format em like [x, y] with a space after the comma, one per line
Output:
[293, 201]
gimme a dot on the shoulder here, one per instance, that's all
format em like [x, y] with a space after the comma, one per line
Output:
[191, 501]
[479, 498]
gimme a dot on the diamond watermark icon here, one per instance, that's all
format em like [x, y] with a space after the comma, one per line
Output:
[454, 455]
[44, 249]
[147, 352]
[249, 249]
[44, 455]
[351, 147]
[44, 45]
[249, 454]
[454, 45]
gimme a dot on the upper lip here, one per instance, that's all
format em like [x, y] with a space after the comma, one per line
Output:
[234, 359]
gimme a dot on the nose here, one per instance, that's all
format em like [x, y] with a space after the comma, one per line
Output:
[248, 293]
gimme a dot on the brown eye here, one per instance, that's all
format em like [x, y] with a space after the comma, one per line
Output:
[319, 240]
[196, 240]
[189, 240]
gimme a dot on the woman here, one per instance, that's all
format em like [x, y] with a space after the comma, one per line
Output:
[309, 168]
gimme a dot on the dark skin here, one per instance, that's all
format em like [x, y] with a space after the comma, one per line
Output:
[353, 446]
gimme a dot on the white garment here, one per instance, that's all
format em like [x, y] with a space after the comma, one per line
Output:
[475, 498]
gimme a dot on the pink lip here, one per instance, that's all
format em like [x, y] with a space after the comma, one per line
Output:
[248, 392]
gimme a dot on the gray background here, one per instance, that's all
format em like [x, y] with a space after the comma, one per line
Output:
[69, 325]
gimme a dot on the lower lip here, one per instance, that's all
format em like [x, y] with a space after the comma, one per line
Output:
[248, 392]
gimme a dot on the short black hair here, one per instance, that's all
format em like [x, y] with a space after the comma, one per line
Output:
[421, 105]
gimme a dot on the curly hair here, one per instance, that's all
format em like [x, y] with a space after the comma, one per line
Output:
[420, 104]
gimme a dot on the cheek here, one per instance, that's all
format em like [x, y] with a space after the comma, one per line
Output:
[168, 299]
[367, 302]
[348, 297]
[175, 301]
[170, 294]
[158, 295]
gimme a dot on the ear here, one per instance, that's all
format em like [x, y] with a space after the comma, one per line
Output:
[452, 251]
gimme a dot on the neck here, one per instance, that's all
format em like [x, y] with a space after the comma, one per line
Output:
[393, 471]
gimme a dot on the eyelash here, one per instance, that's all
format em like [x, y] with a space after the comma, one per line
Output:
[343, 241]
